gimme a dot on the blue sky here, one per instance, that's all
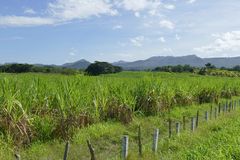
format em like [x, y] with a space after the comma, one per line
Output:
[60, 31]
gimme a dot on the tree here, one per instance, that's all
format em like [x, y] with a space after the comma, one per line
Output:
[203, 71]
[16, 68]
[98, 68]
[178, 68]
[24, 68]
[236, 68]
[210, 66]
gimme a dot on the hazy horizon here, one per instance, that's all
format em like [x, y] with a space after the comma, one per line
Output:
[107, 61]
[61, 31]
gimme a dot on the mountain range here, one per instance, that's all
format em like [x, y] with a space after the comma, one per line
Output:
[81, 64]
[156, 61]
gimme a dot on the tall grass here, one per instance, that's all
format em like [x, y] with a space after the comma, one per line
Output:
[43, 107]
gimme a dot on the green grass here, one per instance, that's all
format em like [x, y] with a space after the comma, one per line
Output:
[216, 139]
[39, 111]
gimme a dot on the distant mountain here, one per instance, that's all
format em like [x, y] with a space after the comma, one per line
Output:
[224, 62]
[81, 64]
[191, 60]
[156, 61]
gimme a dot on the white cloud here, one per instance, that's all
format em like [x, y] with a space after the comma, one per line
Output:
[169, 6]
[61, 11]
[137, 14]
[64, 11]
[117, 27]
[138, 5]
[191, 1]
[169, 50]
[124, 55]
[162, 39]
[80, 9]
[122, 44]
[25, 21]
[177, 37]
[73, 52]
[167, 24]
[153, 12]
[147, 24]
[29, 11]
[229, 41]
[137, 41]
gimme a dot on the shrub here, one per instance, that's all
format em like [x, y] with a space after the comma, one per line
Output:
[98, 68]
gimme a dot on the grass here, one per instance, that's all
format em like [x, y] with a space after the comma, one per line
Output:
[38, 111]
[207, 142]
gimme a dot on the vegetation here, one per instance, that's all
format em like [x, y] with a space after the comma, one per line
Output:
[98, 68]
[106, 139]
[25, 68]
[209, 69]
[38, 108]
[178, 68]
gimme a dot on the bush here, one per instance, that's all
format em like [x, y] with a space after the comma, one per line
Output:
[24, 68]
[98, 68]
[177, 69]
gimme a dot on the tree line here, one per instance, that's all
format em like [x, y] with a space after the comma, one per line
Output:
[93, 69]
[178, 68]
[25, 68]
[208, 69]
[98, 68]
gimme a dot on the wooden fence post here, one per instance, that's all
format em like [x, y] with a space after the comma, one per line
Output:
[184, 122]
[91, 150]
[17, 156]
[211, 112]
[178, 128]
[139, 141]
[206, 115]
[155, 140]
[170, 128]
[230, 106]
[215, 113]
[192, 124]
[66, 151]
[197, 119]
[124, 147]
[219, 109]
[224, 108]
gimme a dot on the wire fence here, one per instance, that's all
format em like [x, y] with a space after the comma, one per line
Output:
[175, 127]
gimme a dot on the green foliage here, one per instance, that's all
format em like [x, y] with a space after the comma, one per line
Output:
[55, 106]
[236, 68]
[203, 71]
[177, 69]
[98, 68]
[24, 68]
[16, 68]
[209, 69]
[210, 66]
[217, 139]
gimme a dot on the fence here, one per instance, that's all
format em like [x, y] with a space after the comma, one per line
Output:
[212, 114]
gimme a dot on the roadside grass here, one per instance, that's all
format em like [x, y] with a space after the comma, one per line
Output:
[38, 112]
[215, 139]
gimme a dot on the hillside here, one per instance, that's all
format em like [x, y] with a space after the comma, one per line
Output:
[191, 60]
[81, 64]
